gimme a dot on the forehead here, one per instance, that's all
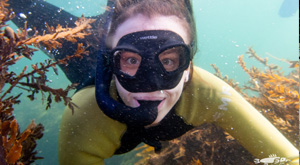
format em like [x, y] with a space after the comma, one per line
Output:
[142, 23]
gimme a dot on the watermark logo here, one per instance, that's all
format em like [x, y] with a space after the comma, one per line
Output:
[148, 37]
[272, 159]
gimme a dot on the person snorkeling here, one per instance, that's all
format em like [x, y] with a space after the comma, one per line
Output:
[147, 89]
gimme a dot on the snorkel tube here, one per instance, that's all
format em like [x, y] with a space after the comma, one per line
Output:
[143, 115]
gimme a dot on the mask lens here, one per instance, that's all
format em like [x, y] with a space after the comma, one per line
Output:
[127, 62]
[173, 58]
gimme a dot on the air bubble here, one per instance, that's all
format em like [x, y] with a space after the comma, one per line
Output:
[22, 15]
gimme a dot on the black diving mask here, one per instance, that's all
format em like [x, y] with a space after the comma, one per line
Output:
[152, 60]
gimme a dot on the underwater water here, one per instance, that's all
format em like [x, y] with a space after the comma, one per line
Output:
[225, 30]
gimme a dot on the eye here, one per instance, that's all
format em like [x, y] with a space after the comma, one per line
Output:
[129, 62]
[170, 64]
[167, 62]
[132, 61]
[170, 59]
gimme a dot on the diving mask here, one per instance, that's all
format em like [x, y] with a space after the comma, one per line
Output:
[152, 60]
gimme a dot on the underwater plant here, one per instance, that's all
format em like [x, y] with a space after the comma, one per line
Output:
[18, 147]
[273, 93]
[277, 94]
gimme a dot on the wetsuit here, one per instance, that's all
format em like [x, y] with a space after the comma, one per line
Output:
[89, 136]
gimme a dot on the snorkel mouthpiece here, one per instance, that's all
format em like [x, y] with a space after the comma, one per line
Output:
[150, 104]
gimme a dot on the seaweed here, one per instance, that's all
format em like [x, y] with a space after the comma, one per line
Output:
[278, 95]
[18, 147]
[273, 94]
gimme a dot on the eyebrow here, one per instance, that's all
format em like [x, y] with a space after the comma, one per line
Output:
[173, 49]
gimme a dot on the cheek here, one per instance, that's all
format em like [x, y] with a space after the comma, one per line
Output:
[125, 95]
[175, 93]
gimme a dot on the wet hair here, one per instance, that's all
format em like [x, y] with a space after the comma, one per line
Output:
[182, 9]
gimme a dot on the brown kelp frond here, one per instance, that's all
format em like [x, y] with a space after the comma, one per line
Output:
[293, 64]
[29, 145]
[206, 144]
[15, 143]
[252, 54]
[277, 95]
[5, 14]
[17, 147]
[51, 41]
[145, 152]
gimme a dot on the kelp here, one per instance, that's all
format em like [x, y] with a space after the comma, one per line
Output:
[19, 147]
[277, 95]
[206, 144]
[273, 93]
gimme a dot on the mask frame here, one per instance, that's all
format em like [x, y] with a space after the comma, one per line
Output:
[151, 74]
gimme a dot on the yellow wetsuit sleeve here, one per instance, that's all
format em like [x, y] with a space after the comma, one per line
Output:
[208, 99]
[87, 136]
